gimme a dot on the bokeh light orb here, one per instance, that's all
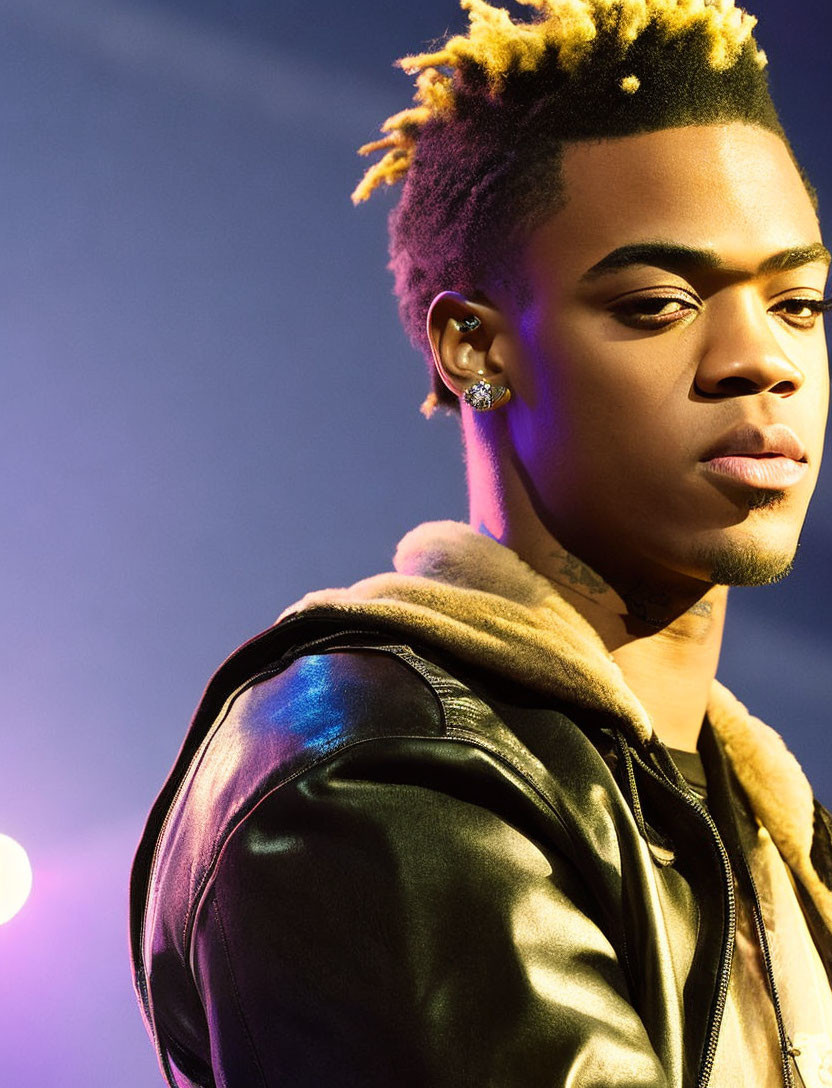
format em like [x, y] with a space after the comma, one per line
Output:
[15, 878]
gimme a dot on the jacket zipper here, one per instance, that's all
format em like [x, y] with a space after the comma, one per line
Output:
[727, 950]
[786, 1051]
[762, 937]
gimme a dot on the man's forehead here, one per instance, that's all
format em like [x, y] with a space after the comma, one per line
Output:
[679, 170]
[725, 197]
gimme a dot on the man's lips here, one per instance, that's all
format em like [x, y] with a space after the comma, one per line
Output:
[764, 457]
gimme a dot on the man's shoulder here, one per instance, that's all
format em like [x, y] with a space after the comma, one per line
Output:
[363, 699]
[367, 693]
[366, 689]
[295, 714]
[301, 711]
[352, 716]
[359, 693]
[297, 693]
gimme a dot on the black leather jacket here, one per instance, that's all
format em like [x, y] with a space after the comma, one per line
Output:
[369, 869]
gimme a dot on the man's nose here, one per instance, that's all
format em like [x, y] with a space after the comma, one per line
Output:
[744, 356]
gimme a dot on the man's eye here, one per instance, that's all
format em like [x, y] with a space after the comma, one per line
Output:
[652, 312]
[802, 313]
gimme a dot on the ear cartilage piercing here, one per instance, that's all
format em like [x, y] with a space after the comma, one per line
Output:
[482, 396]
[466, 324]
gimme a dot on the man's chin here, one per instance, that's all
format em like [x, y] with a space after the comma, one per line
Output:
[747, 565]
[764, 549]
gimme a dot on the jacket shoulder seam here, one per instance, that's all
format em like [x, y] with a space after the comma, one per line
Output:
[465, 735]
[238, 1004]
[452, 735]
[408, 658]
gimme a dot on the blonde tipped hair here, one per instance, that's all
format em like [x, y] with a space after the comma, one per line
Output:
[499, 45]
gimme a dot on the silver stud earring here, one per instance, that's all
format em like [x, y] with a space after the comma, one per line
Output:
[466, 324]
[482, 396]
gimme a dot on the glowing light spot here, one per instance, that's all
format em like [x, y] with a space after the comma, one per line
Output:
[15, 878]
[630, 84]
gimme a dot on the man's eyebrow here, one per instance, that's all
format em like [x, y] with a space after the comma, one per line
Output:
[788, 259]
[679, 258]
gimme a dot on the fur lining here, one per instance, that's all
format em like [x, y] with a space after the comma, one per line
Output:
[779, 792]
[460, 590]
[457, 589]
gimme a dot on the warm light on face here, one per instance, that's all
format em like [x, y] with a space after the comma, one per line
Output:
[15, 878]
[663, 321]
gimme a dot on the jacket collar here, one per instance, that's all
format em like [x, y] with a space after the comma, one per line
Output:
[463, 592]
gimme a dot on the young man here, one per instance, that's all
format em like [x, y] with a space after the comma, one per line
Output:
[489, 819]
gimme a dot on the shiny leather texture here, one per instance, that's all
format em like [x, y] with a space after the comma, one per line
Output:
[371, 869]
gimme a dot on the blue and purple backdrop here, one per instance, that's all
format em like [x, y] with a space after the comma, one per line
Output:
[208, 408]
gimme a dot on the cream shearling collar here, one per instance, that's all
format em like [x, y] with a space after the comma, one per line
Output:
[460, 590]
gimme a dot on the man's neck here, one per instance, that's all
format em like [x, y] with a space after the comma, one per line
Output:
[666, 644]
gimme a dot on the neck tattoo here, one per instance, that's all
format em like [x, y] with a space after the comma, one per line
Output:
[647, 604]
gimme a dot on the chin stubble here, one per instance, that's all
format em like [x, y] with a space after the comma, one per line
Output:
[749, 564]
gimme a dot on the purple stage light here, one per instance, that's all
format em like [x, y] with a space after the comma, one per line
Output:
[15, 878]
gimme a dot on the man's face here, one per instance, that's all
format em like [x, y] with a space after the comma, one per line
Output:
[653, 385]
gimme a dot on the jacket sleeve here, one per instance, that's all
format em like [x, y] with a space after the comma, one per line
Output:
[374, 923]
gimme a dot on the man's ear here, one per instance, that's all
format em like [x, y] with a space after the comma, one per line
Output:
[462, 335]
